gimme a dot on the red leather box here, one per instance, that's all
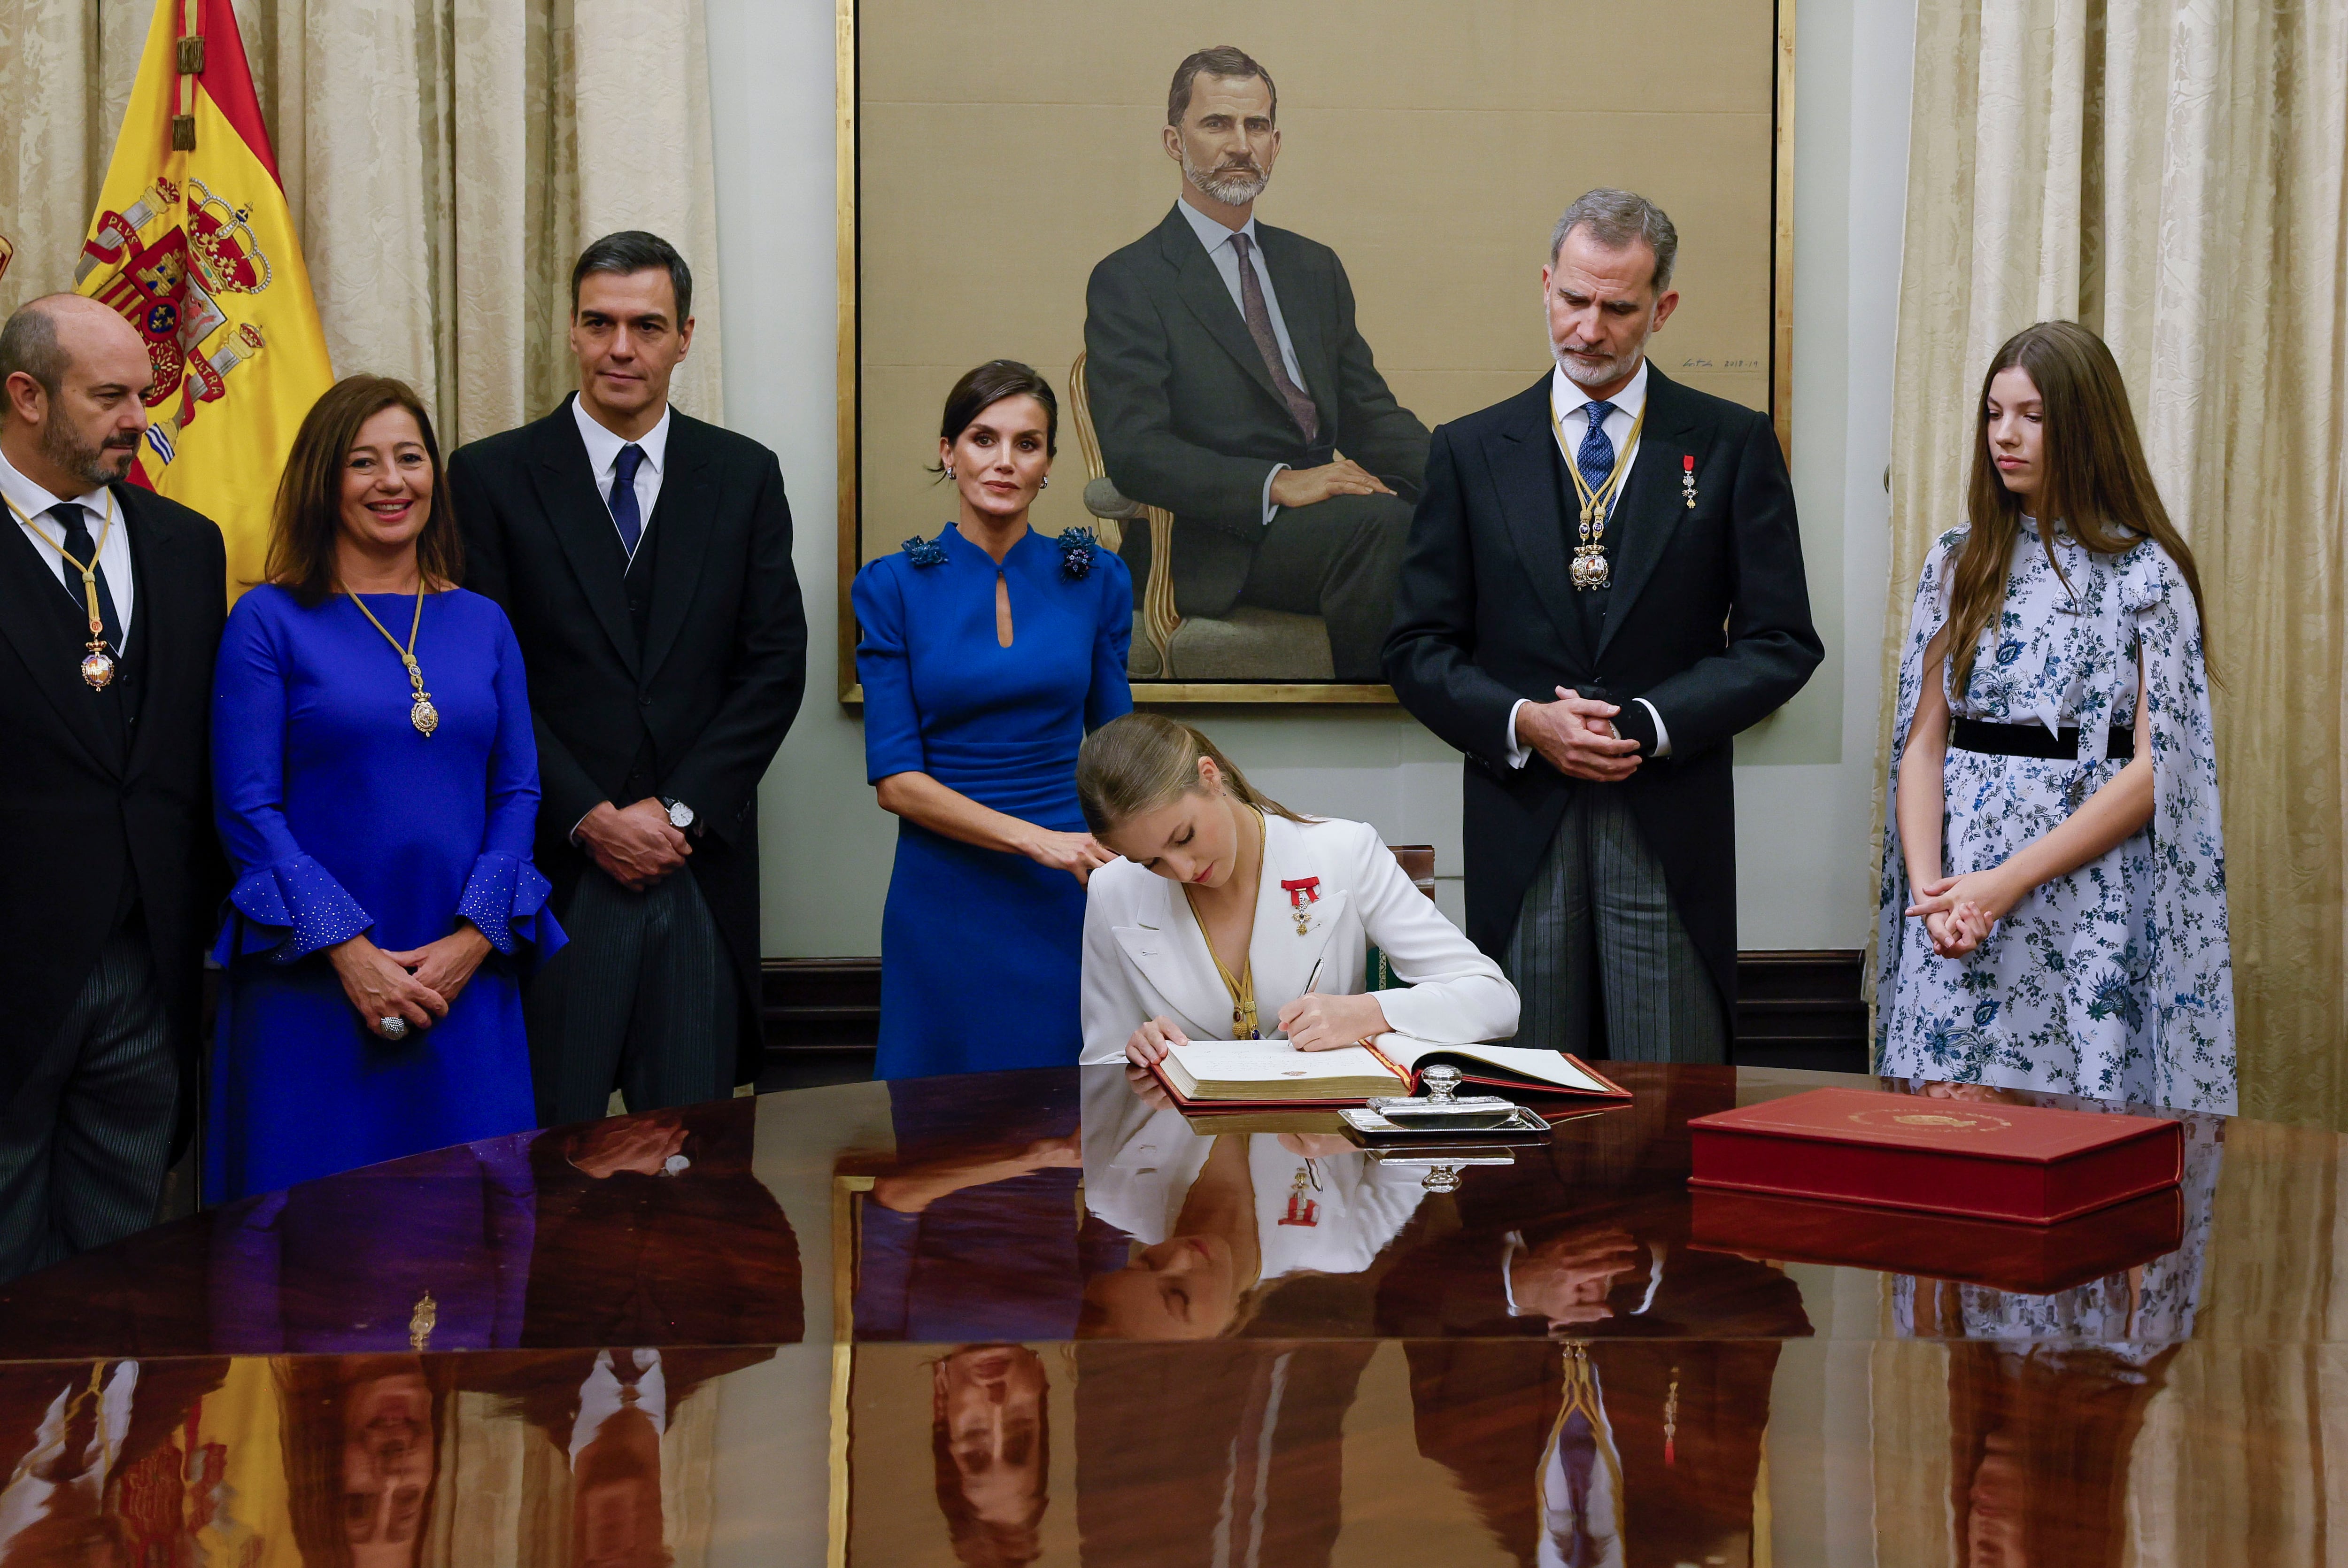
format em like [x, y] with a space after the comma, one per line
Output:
[2031, 1260]
[1994, 1161]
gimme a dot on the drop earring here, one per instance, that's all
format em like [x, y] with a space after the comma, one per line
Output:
[1044, 483]
[949, 473]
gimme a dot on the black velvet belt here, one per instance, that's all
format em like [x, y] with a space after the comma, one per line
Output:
[2032, 741]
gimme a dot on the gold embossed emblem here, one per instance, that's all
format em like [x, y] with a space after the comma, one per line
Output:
[1932, 1121]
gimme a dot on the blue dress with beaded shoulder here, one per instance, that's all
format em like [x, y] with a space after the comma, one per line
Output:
[341, 817]
[981, 949]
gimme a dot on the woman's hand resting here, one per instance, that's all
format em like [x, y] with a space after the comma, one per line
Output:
[1074, 853]
[380, 988]
[447, 966]
[1149, 1042]
[1317, 1022]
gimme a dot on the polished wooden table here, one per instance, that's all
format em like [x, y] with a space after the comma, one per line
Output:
[1033, 1317]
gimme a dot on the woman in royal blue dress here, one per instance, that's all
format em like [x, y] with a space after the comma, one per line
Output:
[376, 786]
[987, 655]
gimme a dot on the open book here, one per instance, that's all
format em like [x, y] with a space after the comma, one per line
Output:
[1275, 1072]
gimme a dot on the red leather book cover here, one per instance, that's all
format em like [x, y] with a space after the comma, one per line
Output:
[2026, 1163]
[2033, 1260]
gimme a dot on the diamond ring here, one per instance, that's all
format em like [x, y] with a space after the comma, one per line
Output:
[394, 1028]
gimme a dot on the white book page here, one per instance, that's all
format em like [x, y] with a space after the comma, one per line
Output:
[1272, 1061]
[1549, 1067]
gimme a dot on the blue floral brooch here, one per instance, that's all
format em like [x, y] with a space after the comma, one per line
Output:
[924, 551]
[1078, 548]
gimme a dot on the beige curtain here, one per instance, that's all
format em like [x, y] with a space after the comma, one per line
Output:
[445, 160]
[2168, 173]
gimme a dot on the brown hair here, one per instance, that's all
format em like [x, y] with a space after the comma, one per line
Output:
[308, 517]
[1144, 760]
[2096, 481]
[1222, 60]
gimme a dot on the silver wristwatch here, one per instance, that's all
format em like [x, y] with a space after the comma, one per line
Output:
[680, 815]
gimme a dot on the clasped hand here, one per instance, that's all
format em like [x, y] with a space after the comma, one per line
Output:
[415, 986]
[1576, 734]
[1959, 913]
[636, 846]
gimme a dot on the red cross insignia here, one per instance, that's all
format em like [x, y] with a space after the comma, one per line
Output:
[1305, 891]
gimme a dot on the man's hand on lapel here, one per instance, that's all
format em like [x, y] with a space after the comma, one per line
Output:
[1576, 733]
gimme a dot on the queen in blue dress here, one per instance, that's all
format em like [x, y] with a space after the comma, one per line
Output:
[987, 655]
[375, 782]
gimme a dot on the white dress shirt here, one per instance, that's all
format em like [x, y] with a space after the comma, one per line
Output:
[1226, 257]
[603, 458]
[1570, 422]
[114, 544]
[603, 1397]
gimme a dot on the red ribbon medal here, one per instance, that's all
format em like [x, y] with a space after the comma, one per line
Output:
[1302, 892]
[1687, 481]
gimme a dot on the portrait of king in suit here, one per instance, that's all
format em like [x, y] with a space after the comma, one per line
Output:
[1231, 388]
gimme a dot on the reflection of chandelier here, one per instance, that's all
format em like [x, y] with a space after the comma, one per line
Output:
[226, 252]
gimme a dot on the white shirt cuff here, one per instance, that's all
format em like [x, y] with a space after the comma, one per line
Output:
[1663, 736]
[1517, 752]
[1268, 507]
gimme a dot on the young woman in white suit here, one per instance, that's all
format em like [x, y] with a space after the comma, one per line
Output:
[1212, 923]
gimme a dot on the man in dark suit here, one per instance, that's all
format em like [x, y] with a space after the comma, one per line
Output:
[1604, 584]
[1230, 385]
[644, 558]
[112, 871]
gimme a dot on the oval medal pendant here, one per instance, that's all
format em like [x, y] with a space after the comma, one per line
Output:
[97, 669]
[424, 715]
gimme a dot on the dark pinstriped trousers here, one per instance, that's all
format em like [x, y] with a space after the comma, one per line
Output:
[642, 1000]
[84, 1140]
[1599, 916]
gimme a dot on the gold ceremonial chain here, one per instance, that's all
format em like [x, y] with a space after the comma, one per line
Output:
[421, 713]
[97, 662]
[1244, 1023]
[1590, 568]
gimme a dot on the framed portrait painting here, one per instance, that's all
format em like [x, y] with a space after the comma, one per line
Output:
[1245, 421]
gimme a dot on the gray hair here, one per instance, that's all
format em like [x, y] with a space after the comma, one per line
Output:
[1615, 219]
[29, 343]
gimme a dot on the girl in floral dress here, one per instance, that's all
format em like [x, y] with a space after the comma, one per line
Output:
[2052, 913]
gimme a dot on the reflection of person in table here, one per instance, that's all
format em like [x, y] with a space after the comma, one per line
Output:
[973, 1230]
[362, 1440]
[1230, 387]
[1223, 1219]
[89, 1450]
[991, 1445]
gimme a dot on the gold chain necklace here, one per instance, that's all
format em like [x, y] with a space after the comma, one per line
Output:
[421, 713]
[1245, 1024]
[96, 662]
[1590, 569]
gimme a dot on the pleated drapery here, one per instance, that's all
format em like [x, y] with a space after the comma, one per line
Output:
[445, 159]
[2169, 173]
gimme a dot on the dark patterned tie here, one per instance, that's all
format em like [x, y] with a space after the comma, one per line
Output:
[1596, 459]
[73, 521]
[624, 510]
[1259, 326]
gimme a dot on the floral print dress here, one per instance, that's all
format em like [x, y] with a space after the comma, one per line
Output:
[2114, 981]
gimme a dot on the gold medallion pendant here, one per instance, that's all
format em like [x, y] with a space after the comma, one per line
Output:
[97, 668]
[420, 711]
[1590, 568]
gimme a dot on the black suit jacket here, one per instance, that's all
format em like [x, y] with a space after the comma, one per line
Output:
[1188, 416]
[87, 820]
[717, 679]
[1709, 618]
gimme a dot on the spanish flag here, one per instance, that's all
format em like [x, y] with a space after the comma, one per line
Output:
[193, 243]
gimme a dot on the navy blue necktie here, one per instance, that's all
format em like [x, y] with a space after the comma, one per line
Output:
[1596, 459]
[624, 510]
[73, 521]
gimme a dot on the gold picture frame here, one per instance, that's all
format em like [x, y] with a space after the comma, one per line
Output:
[853, 384]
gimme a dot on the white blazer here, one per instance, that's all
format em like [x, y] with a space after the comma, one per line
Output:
[1144, 954]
